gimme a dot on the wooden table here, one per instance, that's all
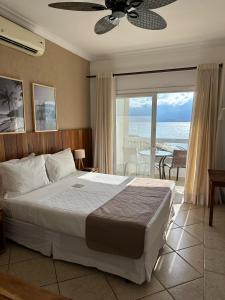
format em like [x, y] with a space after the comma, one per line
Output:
[216, 179]
[12, 288]
[162, 155]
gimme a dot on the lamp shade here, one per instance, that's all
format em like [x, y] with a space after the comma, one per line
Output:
[222, 114]
[79, 154]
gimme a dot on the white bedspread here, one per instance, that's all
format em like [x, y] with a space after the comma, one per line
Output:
[63, 206]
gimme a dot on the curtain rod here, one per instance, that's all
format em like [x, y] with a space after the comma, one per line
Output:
[153, 71]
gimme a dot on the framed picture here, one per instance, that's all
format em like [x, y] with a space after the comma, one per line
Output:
[11, 106]
[44, 104]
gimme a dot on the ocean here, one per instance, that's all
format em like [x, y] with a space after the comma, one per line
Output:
[141, 126]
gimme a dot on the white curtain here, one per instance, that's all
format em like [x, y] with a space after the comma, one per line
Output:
[203, 135]
[104, 116]
[220, 143]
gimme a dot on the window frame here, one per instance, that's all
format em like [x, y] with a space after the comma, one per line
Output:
[152, 92]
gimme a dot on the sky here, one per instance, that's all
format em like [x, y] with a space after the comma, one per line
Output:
[173, 99]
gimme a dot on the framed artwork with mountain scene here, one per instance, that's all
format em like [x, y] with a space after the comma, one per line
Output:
[11, 106]
[44, 105]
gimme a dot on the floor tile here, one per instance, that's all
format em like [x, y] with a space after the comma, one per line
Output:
[173, 225]
[218, 219]
[94, 287]
[179, 195]
[130, 291]
[198, 212]
[4, 257]
[39, 271]
[193, 290]
[196, 230]
[194, 256]
[186, 206]
[214, 286]
[159, 296]
[172, 270]
[65, 270]
[215, 260]
[214, 238]
[20, 253]
[189, 217]
[179, 239]
[52, 288]
[166, 249]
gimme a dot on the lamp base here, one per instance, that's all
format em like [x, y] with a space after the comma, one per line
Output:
[80, 164]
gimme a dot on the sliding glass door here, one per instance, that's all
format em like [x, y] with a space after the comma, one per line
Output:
[174, 113]
[135, 136]
[149, 129]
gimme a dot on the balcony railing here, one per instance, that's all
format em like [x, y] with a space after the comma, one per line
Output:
[132, 145]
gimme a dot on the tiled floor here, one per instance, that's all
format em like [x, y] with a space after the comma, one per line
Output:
[191, 265]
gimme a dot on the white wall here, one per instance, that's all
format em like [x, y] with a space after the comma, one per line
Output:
[163, 58]
[169, 57]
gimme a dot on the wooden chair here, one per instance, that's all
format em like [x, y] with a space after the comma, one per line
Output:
[179, 160]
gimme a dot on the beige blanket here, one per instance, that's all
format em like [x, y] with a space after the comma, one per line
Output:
[118, 227]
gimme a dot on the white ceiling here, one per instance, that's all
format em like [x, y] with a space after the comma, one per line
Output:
[189, 21]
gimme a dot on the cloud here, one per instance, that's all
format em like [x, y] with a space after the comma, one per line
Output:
[173, 99]
[139, 102]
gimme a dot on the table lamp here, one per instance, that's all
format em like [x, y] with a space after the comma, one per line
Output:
[222, 114]
[79, 155]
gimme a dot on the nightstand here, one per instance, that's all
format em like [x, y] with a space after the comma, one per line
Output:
[2, 244]
[89, 169]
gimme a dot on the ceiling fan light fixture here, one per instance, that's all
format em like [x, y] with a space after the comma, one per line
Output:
[133, 14]
[118, 14]
[139, 13]
[136, 3]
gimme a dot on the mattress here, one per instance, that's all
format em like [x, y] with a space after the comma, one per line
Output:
[64, 206]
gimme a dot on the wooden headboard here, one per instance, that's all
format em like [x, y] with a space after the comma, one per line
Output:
[20, 145]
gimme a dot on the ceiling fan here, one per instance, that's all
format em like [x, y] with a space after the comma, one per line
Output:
[138, 13]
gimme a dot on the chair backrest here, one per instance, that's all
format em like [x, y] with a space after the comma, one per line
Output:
[179, 159]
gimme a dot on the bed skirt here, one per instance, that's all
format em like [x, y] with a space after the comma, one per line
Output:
[73, 249]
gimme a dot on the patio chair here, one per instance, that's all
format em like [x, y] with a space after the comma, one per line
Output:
[158, 166]
[130, 158]
[178, 161]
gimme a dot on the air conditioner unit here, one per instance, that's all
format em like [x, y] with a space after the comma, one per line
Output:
[17, 37]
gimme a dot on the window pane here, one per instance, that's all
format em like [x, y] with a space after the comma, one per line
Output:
[133, 134]
[174, 113]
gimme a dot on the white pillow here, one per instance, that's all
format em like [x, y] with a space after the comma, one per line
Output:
[23, 176]
[12, 161]
[28, 157]
[60, 164]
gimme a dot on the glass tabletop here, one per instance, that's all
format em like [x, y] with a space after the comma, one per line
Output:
[158, 153]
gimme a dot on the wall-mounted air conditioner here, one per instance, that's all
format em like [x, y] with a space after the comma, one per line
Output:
[15, 36]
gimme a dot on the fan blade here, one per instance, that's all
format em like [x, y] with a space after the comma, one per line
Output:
[78, 6]
[106, 24]
[148, 20]
[152, 4]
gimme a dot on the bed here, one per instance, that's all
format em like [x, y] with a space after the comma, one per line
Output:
[52, 220]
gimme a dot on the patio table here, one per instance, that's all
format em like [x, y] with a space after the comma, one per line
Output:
[162, 154]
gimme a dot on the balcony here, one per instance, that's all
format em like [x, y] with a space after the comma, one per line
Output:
[132, 162]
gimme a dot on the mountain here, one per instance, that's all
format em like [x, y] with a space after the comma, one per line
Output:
[166, 112]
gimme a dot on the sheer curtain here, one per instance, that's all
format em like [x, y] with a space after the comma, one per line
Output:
[103, 136]
[203, 135]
